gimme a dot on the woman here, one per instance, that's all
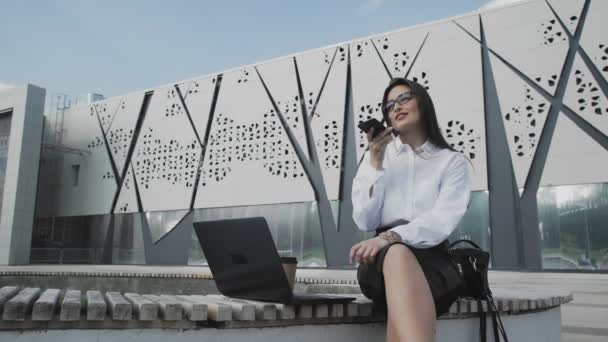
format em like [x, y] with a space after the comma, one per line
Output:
[416, 188]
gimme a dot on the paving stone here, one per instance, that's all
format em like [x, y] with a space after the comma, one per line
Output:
[70, 306]
[44, 307]
[321, 310]
[6, 293]
[96, 306]
[263, 311]
[193, 310]
[16, 308]
[170, 310]
[120, 308]
[336, 310]
[219, 312]
[240, 311]
[304, 311]
[145, 309]
[285, 311]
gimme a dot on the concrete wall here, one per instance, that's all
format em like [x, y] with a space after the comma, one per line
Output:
[26, 105]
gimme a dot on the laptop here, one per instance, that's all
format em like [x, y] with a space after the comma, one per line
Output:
[245, 263]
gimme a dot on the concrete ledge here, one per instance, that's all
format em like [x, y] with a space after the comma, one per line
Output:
[195, 311]
[537, 327]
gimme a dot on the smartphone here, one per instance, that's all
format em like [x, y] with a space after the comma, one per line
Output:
[378, 127]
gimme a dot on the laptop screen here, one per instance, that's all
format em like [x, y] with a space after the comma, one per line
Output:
[243, 259]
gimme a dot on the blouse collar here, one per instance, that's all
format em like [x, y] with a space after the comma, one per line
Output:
[426, 149]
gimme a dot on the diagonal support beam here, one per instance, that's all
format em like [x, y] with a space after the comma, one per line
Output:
[117, 178]
[529, 237]
[140, 119]
[205, 143]
[314, 107]
[575, 43]
[390, 76]
[407, 73]
[504, 197]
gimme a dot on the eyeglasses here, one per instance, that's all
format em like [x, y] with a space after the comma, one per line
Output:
[402, 99]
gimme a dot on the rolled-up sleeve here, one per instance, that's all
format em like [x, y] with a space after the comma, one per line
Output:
[367, 209]
[434, 226]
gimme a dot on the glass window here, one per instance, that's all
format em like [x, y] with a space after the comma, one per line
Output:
[294, 227]
[573, 224]
[475, 224]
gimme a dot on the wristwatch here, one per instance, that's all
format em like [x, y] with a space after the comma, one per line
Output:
[390, 236]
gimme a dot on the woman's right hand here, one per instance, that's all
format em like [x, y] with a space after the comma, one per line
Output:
[377, 146]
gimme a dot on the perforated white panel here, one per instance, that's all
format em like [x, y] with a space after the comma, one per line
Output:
[456, 87]
[280, 78]
[570, 146]
[249, 159]
[471, 24]
[369, 79]
[106, 110]
[313, 69]
[529, 37]
[594, 39]
[127, 199]
[198, 97]
[120, 132]
[569, 12]
[399, 49]
[327, 121]
[166, 155]
[524, 112]
[584, 96]
[87, 184]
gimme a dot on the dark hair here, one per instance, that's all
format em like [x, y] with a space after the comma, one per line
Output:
[425, 108]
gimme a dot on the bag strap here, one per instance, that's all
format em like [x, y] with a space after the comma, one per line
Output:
[482, 322]
[465, 241]
[496, 321]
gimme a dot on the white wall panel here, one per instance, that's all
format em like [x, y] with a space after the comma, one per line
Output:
[529, 37]
[584, 96]
[127, 199]
[120, 132]
[166, 154]
[369, 79]
[198, 97]
[87, 184]
[524, 112]
[594, 38]
[249, 159]
[569, 11]
[313, 69]
[449, 66]
[571, 146]
[280, 78]
[399, 49]
[327, 121]
[471, 24]
[106, 110]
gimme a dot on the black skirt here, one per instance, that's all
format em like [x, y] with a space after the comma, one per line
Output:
[437, 265]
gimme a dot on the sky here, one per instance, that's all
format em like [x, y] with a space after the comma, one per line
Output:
[114, 47]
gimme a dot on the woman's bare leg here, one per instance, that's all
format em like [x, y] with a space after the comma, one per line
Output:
[410, 302]
[391, 333]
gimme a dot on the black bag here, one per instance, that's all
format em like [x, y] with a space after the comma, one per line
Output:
[472, 263]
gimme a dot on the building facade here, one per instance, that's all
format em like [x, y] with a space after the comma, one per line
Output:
[520, 90]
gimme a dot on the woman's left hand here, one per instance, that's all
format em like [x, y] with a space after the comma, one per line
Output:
[365, 251]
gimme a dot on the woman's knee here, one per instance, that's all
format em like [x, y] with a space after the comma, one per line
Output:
[398, 255]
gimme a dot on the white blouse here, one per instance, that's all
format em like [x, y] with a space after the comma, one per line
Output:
[429, 187]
